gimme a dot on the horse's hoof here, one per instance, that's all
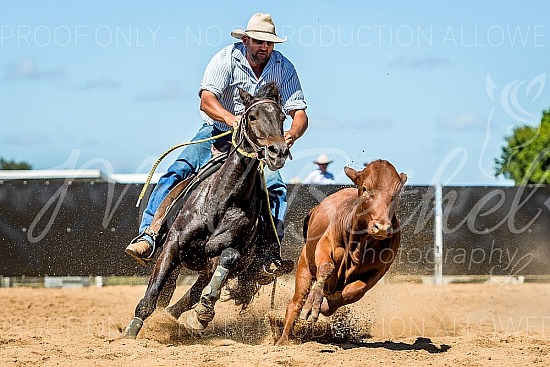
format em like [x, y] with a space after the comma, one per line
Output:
[192, 322]
[133, 328]
[205, 313]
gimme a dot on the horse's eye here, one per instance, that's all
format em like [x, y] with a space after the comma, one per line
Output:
[252, 117]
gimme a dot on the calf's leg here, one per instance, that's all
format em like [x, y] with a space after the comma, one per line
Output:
[301, 287]
[313, 304]
[351, 293]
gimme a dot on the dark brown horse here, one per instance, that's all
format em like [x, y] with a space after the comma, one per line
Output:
[216, 230]
[351, 239]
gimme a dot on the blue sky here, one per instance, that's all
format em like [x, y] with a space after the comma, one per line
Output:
[431, 86]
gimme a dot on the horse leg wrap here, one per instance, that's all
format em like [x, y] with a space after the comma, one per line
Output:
[212, 291]
[210, 294]
[133, 328]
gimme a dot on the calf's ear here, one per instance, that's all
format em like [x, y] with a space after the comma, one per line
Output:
[351, 173]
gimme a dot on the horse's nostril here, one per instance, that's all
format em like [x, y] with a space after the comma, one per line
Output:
[273, 149]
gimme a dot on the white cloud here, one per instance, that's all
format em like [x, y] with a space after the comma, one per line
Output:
[98, 84]
[170, 91]
[28, 138]
[463, 121]
[421, 63]
[27, 69]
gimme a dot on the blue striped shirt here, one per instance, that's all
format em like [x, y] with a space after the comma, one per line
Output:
[230, 69]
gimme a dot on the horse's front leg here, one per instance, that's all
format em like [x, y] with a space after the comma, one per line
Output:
[167, 262]
[203, 312]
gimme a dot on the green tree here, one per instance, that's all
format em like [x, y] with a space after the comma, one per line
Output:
[526, 156]
[6, 165]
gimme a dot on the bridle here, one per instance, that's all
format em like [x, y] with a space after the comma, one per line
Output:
[241, 130]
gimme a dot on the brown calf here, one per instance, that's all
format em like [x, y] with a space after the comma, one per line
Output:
[351, 239]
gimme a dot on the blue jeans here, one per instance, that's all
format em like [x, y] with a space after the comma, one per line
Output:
[189, 162]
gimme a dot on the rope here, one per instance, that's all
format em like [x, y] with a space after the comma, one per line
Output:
[273, 293]
[274, 288]
[152, 171]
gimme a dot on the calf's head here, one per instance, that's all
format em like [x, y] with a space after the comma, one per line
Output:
[379, 186]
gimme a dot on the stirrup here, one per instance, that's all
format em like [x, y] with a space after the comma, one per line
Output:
[282, 267]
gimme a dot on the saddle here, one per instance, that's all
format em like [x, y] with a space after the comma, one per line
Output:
[173, 202]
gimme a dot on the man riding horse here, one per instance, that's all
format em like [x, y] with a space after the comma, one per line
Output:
[248, 65]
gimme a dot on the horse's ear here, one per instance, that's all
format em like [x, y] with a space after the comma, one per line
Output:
[272, 91]
[403, 178]
[351, 173]
[245, 96]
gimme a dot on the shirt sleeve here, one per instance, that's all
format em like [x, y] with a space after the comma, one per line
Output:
[292, 96]
[217, 75]
[310, 178]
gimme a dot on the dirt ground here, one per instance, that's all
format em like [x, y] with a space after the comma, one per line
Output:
[403, 324]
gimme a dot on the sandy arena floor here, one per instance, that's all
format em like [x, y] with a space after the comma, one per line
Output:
[409, 325]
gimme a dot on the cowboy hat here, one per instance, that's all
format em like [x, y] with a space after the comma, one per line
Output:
[260, 27]
[322, 159]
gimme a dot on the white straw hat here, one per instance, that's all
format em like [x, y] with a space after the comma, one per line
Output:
[322, 159]
[260, 27]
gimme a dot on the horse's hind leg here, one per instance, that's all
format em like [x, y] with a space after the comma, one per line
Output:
[168, 290]
[166, 264]
[203, 313]
[190, 298]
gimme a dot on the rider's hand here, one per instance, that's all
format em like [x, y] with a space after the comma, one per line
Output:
[233, 120]
[289, 138]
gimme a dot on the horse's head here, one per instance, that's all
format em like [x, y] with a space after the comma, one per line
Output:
[379, 186]
[262, 126]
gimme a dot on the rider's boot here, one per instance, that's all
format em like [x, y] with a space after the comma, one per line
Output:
[142, 247]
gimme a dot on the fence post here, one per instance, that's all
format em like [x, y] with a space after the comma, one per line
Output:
[438, 236]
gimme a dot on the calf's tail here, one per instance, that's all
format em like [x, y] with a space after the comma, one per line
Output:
[306, 225]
